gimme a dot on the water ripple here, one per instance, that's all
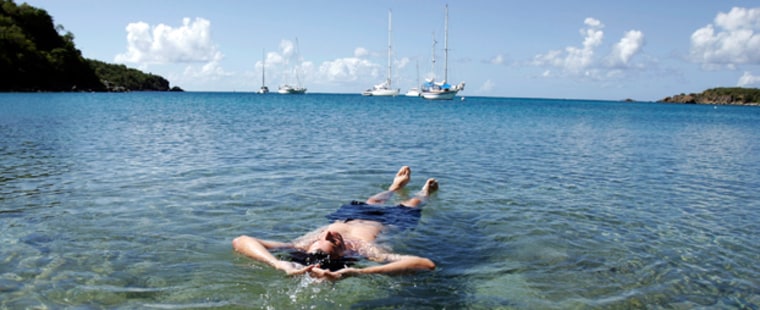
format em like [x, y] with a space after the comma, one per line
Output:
[131, 200]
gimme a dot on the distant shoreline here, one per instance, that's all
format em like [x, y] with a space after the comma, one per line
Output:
[719, 96]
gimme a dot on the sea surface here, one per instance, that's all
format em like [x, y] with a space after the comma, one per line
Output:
[131, 200]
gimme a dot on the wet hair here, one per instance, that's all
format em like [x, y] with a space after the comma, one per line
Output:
[322, 260]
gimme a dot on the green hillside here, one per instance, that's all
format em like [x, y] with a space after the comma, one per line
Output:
[35, 55]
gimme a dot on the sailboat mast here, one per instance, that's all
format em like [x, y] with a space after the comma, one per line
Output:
[432, 63]
[390, 29]
[418, 73]
[263, 67]
[298, 66]
[446, 46]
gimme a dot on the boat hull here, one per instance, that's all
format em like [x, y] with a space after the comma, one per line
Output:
[413, 93]
[381, 92]
[440, 95]
[291, 91]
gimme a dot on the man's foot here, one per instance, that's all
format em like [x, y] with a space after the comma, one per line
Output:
[402, 177]
[431, 185]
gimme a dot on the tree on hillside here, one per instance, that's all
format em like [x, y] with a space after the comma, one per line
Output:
[34, 56]
[37, 56]
[119, 76]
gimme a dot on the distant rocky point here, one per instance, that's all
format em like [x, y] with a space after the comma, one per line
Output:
[721, 96]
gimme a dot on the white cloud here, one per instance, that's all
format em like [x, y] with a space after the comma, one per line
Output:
[551, 58]
[280, 59]
[739, 18]
[348, 69]
[274, 58]
[287, 48]
[356, 69]
[210, 70]
[579, 59]
[734, 39]
[281, 64]
[401, 63]
[359, 68]
[583, 61]
[626, 48]
[487, 86]
[162, 44]
[592, 22]
[497, 60]
[573, 59]
[360, 52]
[748, 79]
[189, 44]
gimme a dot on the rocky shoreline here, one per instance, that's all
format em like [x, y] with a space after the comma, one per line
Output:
[719, 96]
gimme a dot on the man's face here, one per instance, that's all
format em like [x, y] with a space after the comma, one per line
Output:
[330, 243]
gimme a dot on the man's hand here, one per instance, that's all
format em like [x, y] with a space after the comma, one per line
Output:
[398, 265]
[293, 269]
[320, 273]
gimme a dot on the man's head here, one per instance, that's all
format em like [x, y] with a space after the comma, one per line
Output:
[327, 252]
[329, 243]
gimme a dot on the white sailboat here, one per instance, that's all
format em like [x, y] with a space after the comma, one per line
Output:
[287, 89]
[264, 89]
[385, 88]
[413, 92]
[442, 90]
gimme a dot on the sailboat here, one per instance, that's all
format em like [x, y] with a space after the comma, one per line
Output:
[384, 89]
[264, 89]
[287, 89]
[442, 90]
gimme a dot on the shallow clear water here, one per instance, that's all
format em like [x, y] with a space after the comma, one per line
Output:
[131, 200]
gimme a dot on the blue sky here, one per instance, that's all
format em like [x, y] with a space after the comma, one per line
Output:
[644, 50]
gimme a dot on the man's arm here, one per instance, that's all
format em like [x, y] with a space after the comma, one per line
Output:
[259, 250]
[395, 264]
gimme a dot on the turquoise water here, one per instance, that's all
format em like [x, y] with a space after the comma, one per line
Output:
[131, 200]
